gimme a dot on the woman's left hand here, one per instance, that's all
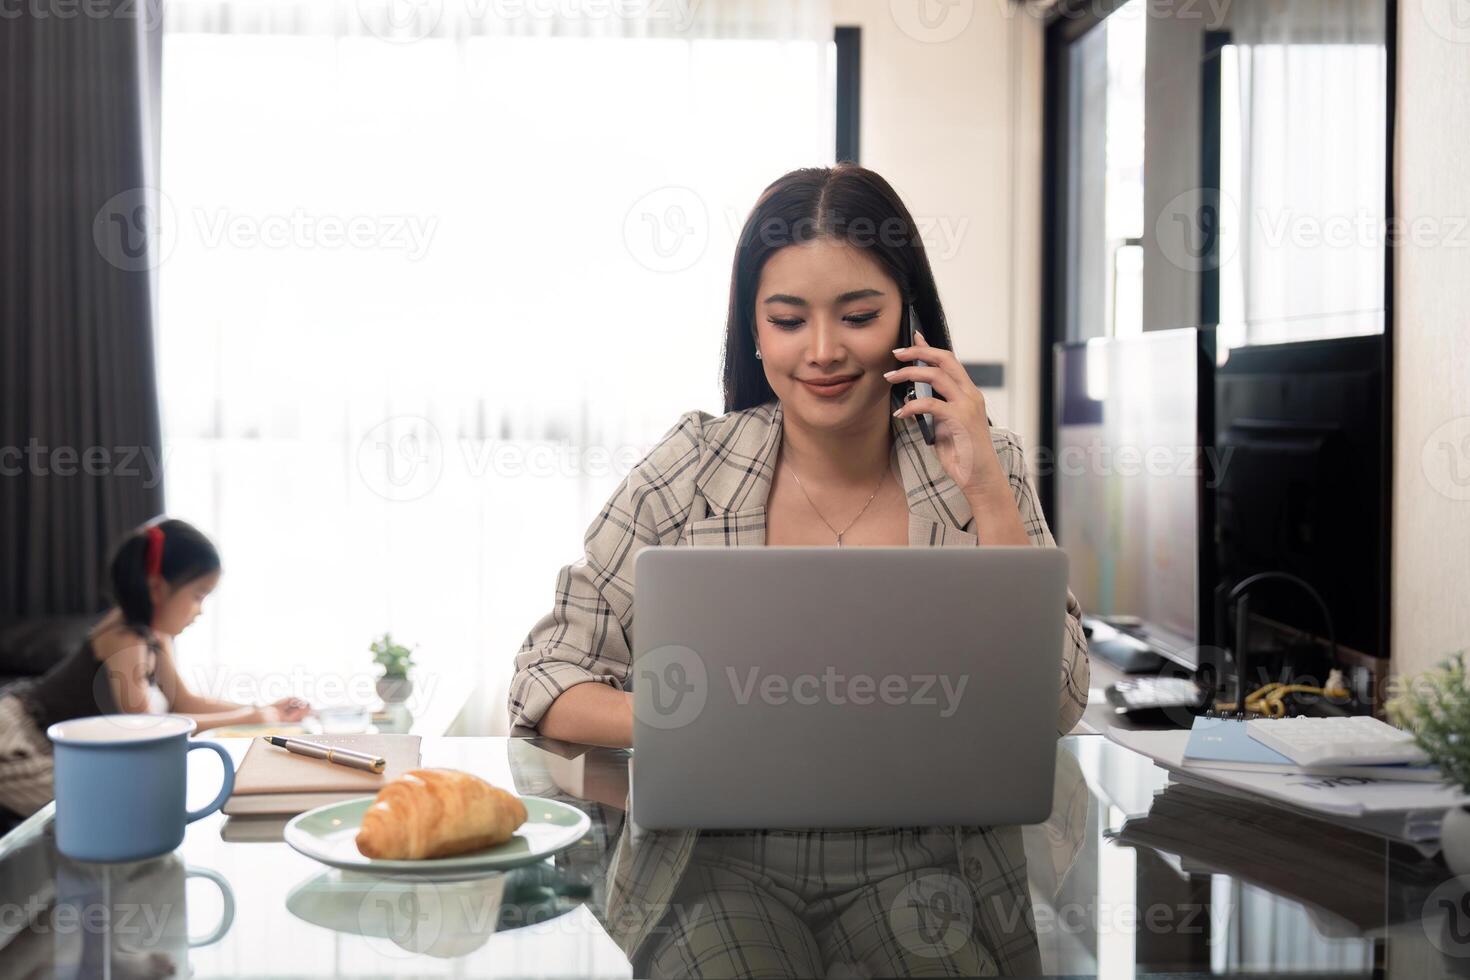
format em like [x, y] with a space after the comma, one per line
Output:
[961, 426]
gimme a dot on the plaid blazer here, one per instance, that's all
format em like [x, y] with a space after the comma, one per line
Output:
[705, 484]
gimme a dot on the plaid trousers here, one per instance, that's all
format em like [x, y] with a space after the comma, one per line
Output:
[851, 903]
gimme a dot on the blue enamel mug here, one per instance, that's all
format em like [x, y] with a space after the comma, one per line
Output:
[120, 785]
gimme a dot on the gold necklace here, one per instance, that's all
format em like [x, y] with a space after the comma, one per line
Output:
[824, 520]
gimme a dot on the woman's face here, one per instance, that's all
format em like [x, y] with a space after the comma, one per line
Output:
[827, 311]
[175, 607]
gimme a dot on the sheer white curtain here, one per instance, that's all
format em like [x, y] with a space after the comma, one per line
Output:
[427, 295]
[1303, 155]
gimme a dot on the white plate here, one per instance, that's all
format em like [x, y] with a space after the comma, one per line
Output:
[329, 834]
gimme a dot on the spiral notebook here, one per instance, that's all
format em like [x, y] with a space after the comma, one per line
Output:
[271, 780]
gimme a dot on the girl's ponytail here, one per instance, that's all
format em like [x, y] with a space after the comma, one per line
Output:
[130, 582]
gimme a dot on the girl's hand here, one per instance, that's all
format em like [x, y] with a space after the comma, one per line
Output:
[285, 710]
[961, 427]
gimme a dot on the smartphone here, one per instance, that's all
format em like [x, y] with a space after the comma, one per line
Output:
[917, 389]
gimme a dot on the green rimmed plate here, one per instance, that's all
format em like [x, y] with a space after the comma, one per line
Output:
[328, 834]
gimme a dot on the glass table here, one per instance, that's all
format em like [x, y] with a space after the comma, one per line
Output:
[1134, 874]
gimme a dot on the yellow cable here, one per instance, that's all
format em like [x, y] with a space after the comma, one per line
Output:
[1270, 699]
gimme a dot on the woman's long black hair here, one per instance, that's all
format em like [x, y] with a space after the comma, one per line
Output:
[187, 555]
[845, 202]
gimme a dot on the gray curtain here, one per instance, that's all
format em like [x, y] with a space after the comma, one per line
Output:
[80, 459]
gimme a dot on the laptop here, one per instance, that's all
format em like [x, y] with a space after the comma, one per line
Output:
[799, 687]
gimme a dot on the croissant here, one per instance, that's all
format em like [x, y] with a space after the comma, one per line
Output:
[429, 813]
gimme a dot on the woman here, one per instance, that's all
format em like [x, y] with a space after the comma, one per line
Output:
[817, 447]
[161, 574]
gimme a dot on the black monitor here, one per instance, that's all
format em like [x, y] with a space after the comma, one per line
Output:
[1303, 486]
[1131, 463]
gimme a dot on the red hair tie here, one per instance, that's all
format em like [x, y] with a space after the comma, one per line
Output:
[153, 562]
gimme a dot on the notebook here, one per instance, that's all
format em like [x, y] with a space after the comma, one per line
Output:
[1226, 743]
[271, 780]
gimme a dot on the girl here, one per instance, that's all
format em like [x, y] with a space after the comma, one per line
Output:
[161, 575]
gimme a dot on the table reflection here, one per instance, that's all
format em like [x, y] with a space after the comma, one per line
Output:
[442, 919]
[86, 920]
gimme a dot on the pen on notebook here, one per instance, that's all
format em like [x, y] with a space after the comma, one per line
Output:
[342, 757]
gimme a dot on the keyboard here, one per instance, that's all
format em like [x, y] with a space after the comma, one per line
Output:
[1358, 739]
[1140, 693]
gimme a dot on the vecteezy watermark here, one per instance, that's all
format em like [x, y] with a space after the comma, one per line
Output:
[1445, 917]
[1103, 917]
[150, 12]
[941, 235]
[140, 924]
[672, 685]
[401, 458]
[136, 230]
[139, 228]
[406, 917]
[1445, 458]
[406, 233]
[1200, 229]
[1096, 458]
[400, 21]
[1360, 229]
[932, 21]
[36, 458]
[832, 686]
[1190, 229]
[933, 916]
[935, 21]
[667, 229]
[319, 687]
[404, 21]
[1449, 19]
[404, 457]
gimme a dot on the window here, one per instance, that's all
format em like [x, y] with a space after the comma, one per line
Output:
[424, 306]
[1104, 266]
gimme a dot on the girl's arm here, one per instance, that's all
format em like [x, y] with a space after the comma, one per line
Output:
[214, 712]
[127, 676]
[181, 698]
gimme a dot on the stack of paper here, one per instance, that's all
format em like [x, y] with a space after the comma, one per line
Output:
[1399, 809]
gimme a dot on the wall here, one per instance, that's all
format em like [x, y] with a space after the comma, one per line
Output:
[1431, 513]
[951, 116]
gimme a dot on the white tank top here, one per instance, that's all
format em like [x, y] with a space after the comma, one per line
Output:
[157, 700]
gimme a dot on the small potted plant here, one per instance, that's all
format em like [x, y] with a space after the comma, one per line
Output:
[396, 660]
[1435, 706]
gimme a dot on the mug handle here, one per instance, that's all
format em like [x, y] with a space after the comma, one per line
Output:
[227, 914]
[224, 791]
